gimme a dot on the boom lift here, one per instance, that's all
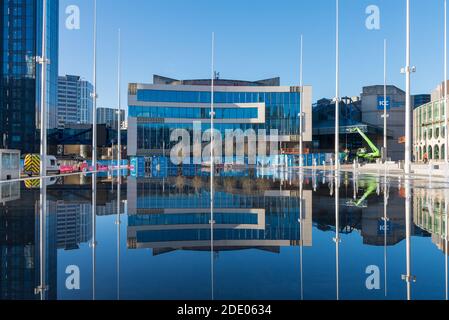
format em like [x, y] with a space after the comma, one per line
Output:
[363, 153]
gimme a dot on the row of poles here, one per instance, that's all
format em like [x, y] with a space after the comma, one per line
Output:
[43, 60]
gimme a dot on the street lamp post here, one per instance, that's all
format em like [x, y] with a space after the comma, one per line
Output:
[445, 87]
[385, 115]
[408, 111]
[119, 107]
[301, 120]
[212, 165]
[94, 94]
[337, 94]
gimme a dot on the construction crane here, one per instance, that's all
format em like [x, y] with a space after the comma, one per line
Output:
[370, 187]
[363, 153]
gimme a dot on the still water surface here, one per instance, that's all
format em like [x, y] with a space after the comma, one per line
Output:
[275, 236]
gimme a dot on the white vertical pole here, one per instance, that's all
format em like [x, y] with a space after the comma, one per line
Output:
[337, 236]
[119, 158]
[301, 108]
[408, 217]
[119, 107]
[94, 94]
[446, 251]
[386, 197]
[43, 119]
[385, 102]
[43, 155]
[408, 111]
[337, 93]
[301, 164]
[212, 164]
[94, 159]
[445, 85]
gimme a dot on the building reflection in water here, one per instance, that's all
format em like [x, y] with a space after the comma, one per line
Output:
[68, 221]
[246, 215]
[430, 214]
[174, 213]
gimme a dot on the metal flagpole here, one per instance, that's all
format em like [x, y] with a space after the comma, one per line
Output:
[301, 114]
[408, 132]
[385, 103]
[445, 85]
[94, 159]
[119, 159]
[43, 61]
[337, 94]
[212, 165]
[94, 94]
[119, 118]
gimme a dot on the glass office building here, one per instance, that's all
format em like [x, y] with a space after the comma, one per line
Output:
[21, 43]
[155, 110]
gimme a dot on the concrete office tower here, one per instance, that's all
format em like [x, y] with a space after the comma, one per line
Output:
[372, 110]
[21, 37]
[74, 101]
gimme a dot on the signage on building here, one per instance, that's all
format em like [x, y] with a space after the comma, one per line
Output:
[381, 103]
[384, 228]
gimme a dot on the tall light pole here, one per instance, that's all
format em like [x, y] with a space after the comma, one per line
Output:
[445, 87]
[43, 61]
[385, 116]
[119, 156]
[408, 110]
[301, 114]
[94, 159]
[119, 107]
[212, 164]
[94, 94]
[337, 93]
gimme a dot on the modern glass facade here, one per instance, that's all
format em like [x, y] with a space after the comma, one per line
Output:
[155, 110]
[75, 101]
[158, 217]
[21, 28]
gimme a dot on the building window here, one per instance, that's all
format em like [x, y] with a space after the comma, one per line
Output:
[436, 111]
[437, 152]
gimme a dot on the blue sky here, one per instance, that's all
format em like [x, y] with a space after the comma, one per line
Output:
[255, 39]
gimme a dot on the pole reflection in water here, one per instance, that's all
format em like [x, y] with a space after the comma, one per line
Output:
[212, 168]
[41, 290]
[386, 230]
[118, 224]
[301, 230]
[446, 210]
[94, 232]
[337, 235]
[408, 278]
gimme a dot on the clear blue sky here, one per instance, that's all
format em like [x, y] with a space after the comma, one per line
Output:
[255, 39]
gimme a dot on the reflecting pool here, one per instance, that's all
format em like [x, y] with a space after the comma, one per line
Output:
[259, 235]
